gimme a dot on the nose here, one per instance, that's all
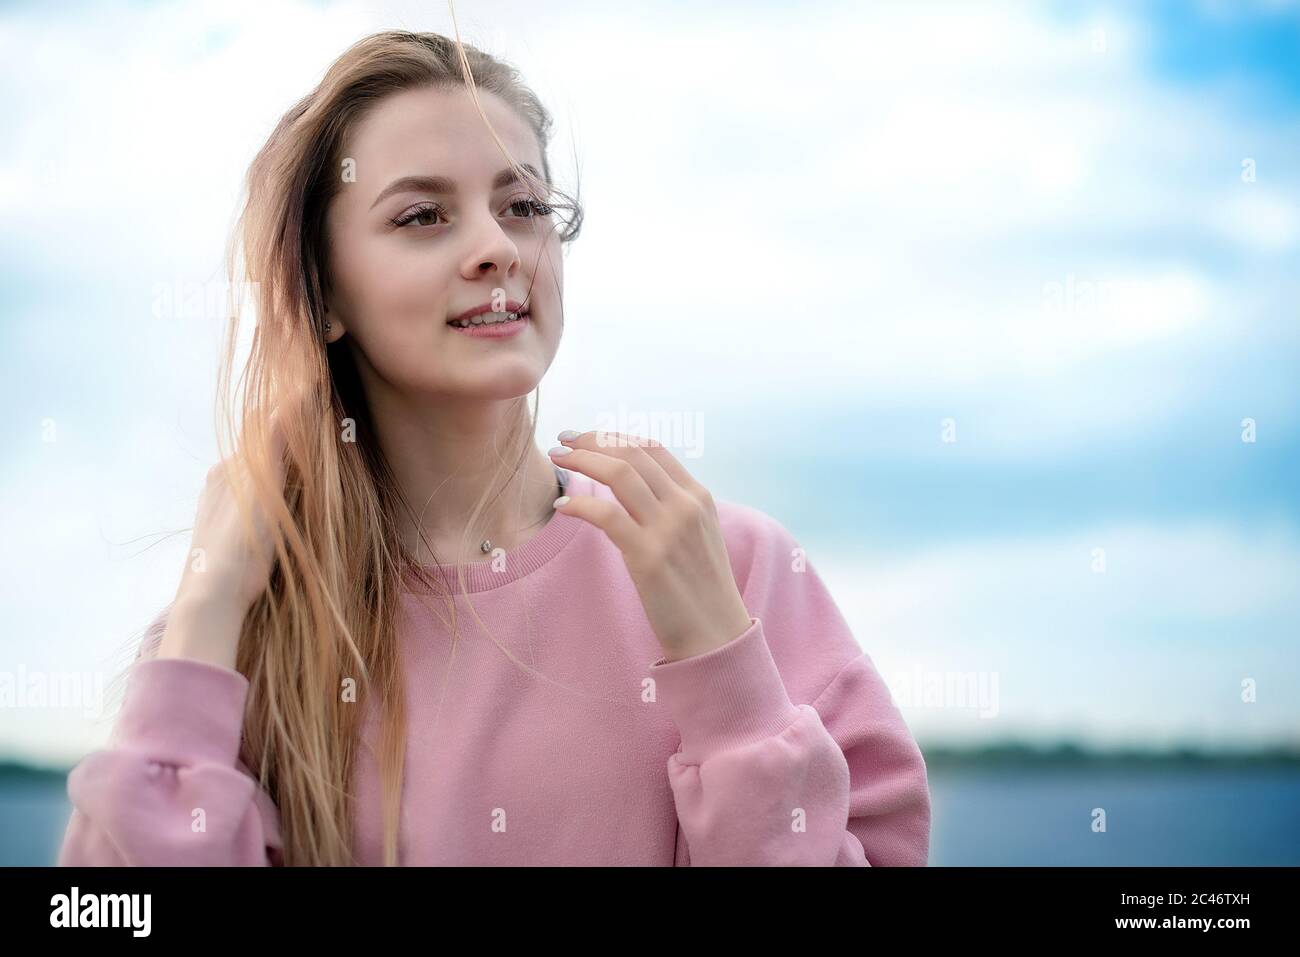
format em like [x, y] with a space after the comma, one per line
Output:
[491, 251]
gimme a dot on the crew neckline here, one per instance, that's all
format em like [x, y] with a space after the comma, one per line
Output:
[519, 562]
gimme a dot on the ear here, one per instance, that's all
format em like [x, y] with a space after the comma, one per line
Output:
[332, 320]
[334, 325]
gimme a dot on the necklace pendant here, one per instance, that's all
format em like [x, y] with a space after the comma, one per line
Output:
[486, 546]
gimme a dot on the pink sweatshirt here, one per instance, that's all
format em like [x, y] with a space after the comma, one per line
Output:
[782, 747]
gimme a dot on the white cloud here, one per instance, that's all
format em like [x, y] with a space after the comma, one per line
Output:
[1255, 217]
[1155, 644]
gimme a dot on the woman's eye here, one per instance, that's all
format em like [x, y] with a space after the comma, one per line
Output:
[420, 215]
[526, 206]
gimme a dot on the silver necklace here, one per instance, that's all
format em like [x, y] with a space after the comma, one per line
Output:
[486, 545]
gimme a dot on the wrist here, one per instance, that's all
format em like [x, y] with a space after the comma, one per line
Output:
[704, 644]
[203, 627]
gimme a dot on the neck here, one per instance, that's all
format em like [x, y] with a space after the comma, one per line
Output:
[445, 456]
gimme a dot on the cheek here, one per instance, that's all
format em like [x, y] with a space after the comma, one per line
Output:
[394, 287]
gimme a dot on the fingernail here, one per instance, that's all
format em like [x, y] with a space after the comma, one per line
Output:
[559, 450]
[568, 435]
[560, 502]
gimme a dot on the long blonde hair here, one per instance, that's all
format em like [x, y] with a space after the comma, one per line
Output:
[328, 613]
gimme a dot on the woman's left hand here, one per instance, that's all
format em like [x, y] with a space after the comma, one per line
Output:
[667, 529]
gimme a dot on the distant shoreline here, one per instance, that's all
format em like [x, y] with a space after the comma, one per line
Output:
[1068, 754]
[1015, 754]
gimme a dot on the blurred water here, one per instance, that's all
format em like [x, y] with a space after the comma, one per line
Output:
[33, 813]
[991, 816]
[1217, 816]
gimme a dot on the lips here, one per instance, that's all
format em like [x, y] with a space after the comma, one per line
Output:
[510, 305]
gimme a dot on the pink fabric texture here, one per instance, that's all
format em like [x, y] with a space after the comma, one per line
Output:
[781, 747]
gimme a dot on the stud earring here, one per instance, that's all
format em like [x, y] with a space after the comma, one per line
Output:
[327, 327]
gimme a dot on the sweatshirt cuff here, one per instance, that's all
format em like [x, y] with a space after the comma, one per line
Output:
[184, 711]
[725, 698]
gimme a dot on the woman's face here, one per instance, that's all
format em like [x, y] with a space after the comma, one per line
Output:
[405, 259]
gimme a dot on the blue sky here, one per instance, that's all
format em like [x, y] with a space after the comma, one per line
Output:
[829, 230]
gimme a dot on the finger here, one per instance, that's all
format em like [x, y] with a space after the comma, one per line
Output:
[666, 465]
[605, 515]
[671, 466]
[625, 480]
[631, 449]
[639, 452]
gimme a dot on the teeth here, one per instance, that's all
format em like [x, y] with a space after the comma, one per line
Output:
[487, 319]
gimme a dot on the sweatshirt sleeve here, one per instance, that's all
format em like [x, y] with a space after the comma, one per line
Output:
[792, 750]
[170, 790]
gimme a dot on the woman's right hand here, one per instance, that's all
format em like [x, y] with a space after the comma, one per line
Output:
[225, 571]
[224, 568]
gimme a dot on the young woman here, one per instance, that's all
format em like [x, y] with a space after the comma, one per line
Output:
[404, 634]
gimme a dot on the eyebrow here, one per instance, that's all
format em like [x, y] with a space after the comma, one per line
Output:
[441, 184]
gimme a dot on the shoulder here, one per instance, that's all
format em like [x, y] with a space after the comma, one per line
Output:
[757, 542]
[808, 636]
[749, 525]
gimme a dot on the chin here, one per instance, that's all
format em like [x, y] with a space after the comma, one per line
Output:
[505, 384]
